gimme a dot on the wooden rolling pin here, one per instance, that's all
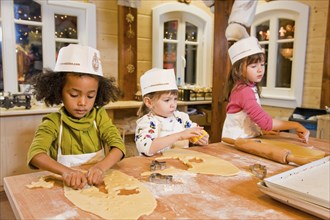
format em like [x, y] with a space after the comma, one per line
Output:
[269, 151]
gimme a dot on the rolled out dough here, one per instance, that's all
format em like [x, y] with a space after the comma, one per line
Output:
[200, 162]
[114, 204]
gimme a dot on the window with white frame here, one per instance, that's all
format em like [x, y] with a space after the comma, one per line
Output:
[182, 38]
[33, 31]
[281, 28]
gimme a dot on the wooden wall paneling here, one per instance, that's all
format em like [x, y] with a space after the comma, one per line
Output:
[127, 52]
[325, 92]
[16, 134]
[221, 67]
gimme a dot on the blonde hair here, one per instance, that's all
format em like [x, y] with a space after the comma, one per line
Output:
[153, 96]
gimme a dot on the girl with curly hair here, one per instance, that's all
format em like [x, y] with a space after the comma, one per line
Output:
[78, 133]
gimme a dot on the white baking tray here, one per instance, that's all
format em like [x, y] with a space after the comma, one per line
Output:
[296, 202]
[310, 182]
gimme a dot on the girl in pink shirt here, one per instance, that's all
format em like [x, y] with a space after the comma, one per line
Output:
[245, 117]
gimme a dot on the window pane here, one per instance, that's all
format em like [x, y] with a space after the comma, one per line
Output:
[27, 10]
[262, 31]
[191, 61]
[264, 79]
[170, 30]
[191, 32]
[28, 51]
[1, 69]
[170, 50]
[284, 65]
[286, 29]
[28, 40]
[59, 45]
[66, 26]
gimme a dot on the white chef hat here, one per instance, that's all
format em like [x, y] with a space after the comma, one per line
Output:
[243, 48]
[79, 59]
[156, 79]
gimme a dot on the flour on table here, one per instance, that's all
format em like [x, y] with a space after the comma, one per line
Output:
[200, 162]
[41, 183]
[70, 214]
[166, 171]
[115, 204]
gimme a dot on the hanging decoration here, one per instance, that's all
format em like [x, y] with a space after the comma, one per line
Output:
[130, 19]
[127, 48]
[130, 34]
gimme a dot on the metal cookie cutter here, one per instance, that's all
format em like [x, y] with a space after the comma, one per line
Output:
[157, 165]
[159, 178]
[259, 170]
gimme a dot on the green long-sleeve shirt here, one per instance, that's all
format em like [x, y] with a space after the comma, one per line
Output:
[79, 136]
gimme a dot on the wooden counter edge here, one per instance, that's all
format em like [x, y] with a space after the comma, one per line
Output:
[36, 110]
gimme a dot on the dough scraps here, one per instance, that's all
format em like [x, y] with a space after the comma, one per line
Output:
[200, 162]
[116, 204]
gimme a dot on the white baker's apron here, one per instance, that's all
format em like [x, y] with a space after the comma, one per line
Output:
[167, 127]
[78, 159]
[239, 125]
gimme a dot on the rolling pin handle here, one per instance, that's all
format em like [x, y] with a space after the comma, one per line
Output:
[297, 160]
[228, 140]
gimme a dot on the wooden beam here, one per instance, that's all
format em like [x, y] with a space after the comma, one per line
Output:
[221, 67]
[127, 52]
[325, 91]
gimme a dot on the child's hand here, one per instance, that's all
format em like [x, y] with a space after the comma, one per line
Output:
[75, 179]
[203, 141]
[94, 176]
[303, 133]
[191, 132]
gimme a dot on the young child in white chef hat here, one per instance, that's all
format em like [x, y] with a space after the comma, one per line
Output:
[75, 134]
[245, 117]
[162, 126]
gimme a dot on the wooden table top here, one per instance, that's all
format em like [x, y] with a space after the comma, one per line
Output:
[197, 197]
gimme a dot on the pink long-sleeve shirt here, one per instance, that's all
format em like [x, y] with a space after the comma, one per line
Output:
[243, 98]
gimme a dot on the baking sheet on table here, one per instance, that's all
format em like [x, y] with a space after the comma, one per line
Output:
[310, 182]
[296, 202]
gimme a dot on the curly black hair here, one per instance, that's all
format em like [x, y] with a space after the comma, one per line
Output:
[48, 87]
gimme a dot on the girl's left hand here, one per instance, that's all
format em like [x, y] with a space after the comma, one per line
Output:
[94, 176]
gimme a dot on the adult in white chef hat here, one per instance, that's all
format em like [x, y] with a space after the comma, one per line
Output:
[79, 131]
[241, 17]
